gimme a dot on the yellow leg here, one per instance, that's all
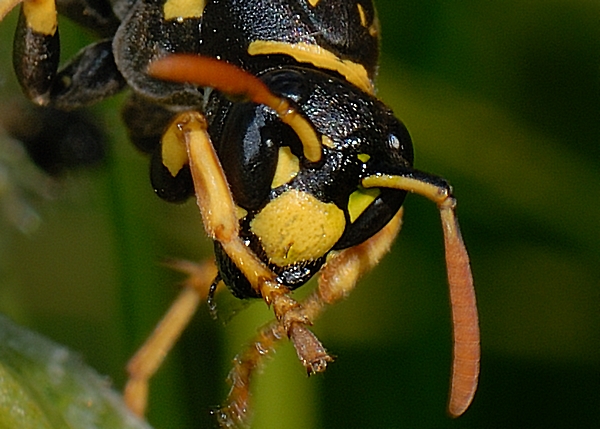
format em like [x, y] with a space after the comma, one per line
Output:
[6, 6]
[338, 278]
[221, 224]
[466, 355]
[150, 356]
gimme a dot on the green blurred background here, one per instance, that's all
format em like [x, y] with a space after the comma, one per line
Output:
[503, 99]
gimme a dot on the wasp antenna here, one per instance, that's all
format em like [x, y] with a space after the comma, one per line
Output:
[232, 80]
[466, 356]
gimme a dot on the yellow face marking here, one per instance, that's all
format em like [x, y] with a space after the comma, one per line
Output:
[181, 9]
[364, 157]
[41, 16]
[305, 53]
[297, 227]
[363, 17]
[374, 28]
[288, 167]
[313, 3]
[359, 201]
[326, 141]
[241, 212]
[174, 153]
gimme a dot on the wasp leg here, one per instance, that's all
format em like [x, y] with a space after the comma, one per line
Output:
[6, 6]
[144, 364]
[340, 274]
[338, 278]
[36, 48]
[220, 221]
[91, 76]
[237, 411]
[466, 355]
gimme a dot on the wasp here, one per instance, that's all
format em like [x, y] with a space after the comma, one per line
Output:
[265, 111]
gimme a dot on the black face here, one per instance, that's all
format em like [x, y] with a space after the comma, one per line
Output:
[362, 138]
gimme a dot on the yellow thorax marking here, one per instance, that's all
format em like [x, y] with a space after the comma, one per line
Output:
[41, 16]
[314, 3]
[181, 9]
[313, 54]
[288, 167]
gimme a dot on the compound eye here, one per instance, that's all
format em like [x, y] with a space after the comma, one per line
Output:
[248, 151]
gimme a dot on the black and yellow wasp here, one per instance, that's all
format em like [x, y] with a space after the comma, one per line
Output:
[265, 111]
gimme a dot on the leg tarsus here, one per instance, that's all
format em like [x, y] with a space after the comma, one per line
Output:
[310, 351]
[237, 411]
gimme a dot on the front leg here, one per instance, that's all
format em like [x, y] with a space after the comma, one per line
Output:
[221, 223]
[144, 364]
[338, 278]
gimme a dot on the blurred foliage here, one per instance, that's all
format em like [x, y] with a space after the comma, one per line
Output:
[501, 98]
[45, 386]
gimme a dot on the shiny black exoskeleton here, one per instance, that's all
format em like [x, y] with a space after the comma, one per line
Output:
[321, 55]
[247, 138]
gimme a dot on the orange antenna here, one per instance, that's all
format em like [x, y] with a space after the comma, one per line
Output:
[465, 322]
[232, 80]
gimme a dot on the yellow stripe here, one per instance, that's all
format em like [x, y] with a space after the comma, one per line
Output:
[363, 17]
[313, 3]
[182, 9]
[305, 53]
[326, 141]
[41, 16]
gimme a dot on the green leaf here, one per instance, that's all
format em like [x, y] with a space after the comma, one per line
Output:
[45, 385]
